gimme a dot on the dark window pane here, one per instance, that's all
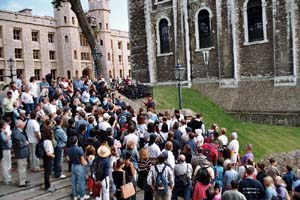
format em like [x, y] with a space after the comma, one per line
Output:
[204, 29]
[164, 36]
[255, 25]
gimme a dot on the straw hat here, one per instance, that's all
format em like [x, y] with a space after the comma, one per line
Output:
[104, 151]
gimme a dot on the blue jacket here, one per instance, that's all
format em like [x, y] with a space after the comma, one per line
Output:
[60, 136]
[20, 144]
[4, 143]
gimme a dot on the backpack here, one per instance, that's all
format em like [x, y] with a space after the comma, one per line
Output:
[97, 171]
[39, 149]
[182, 180]
[203, 176]
[161, 183]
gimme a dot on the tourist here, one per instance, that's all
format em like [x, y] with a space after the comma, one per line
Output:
[233, 194]
[27, 100]
[223, 136]
[8, 107]
[164, 190]
[289, 178]
[119, 177]
[150, 102]
[130, 170]
[34, 135]
[229, 175]
[272, 169]
[234, 146]
[270, 191]
[169, 154]
[47, 138]
[261, 172]
[34, 89]
[104, 153]
[5, 147]
[247, 155]
[251, 188]
[144, 166]
[61, 139]
[76, 157]
[21, 149]
[182, 169]
[219, 173]
[281, 190]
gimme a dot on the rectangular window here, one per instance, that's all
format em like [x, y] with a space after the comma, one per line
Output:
[106, 26]
[2, 75]
[121, 73]
[129, 59]
[1, 52]
[53, 73]
[17, 34]
[35, 36]
[52, 55]
[120, 45]
[100, 26]
[36, 54]
[73, 20]
[128, 46]
[18, 53]
[37, 74]
[65, 19]
[129, 73]
[51, 37]
[108, 56]
[85, 56]
[120, 58]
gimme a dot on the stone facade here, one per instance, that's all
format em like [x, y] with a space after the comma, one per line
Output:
[254, 78]
[231, 57]
[61, 36]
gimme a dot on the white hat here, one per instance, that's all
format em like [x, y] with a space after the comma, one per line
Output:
[103, 151]
[106, 116]
[234, 135]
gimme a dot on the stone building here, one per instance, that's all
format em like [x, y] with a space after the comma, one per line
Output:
[40, 45]
[246, 51]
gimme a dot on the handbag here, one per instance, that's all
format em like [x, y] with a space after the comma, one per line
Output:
[97, 186]
[127, 190]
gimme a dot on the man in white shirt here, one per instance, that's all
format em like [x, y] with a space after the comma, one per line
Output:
[234, 146]
[34, 135]
[223, 137]
[104, 125]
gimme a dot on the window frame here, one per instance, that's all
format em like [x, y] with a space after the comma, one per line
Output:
[34, 51]
[197, 35]
[158, 45]
[52, 57]
[51, 38]
[19, 53]
[34, 38]
[2, 71]
[19, 36]
[37, 74]
[1, 52]
[264, 23]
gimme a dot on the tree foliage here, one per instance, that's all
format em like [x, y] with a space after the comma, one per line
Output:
[86, 30]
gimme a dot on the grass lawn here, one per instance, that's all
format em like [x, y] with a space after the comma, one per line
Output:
[266, 139]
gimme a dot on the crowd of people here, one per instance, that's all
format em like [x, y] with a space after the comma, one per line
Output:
[108, 145]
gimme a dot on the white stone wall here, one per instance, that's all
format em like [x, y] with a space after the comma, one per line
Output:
[64, 51]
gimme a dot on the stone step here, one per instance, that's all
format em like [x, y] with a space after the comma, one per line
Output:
[36, 190]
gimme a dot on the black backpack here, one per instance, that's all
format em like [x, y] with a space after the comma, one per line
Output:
[203, 176]
[97, 172]
[39, 149]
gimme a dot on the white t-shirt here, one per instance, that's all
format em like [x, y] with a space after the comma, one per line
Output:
[224, 139]
[32, 127]
[131, 137]
[234, 148]
[48, 146]
[104, 125]
[26, 97]
[85, 97]
[153, 150]
[34, 89]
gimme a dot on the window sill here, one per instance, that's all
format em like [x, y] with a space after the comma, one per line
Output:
[19, 59]
[52, 60]
[205, 49]
[36, 60]
[161, 2]
[256, 42]
[164, 54]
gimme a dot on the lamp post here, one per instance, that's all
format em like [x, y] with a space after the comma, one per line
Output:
[11, 64]
[96, 56]
[179, 75]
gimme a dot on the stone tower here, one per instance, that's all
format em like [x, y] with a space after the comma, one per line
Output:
[68, 51]
[99, 10]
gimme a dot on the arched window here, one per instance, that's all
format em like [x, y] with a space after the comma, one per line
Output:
[255, 21]
[75, 54]
[101, 42]
[164, 36]
[66, 39]
[204, 29]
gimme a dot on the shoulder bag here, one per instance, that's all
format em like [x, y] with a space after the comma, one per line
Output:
[127, 190]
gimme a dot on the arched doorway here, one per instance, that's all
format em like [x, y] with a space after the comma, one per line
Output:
[87, 72]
